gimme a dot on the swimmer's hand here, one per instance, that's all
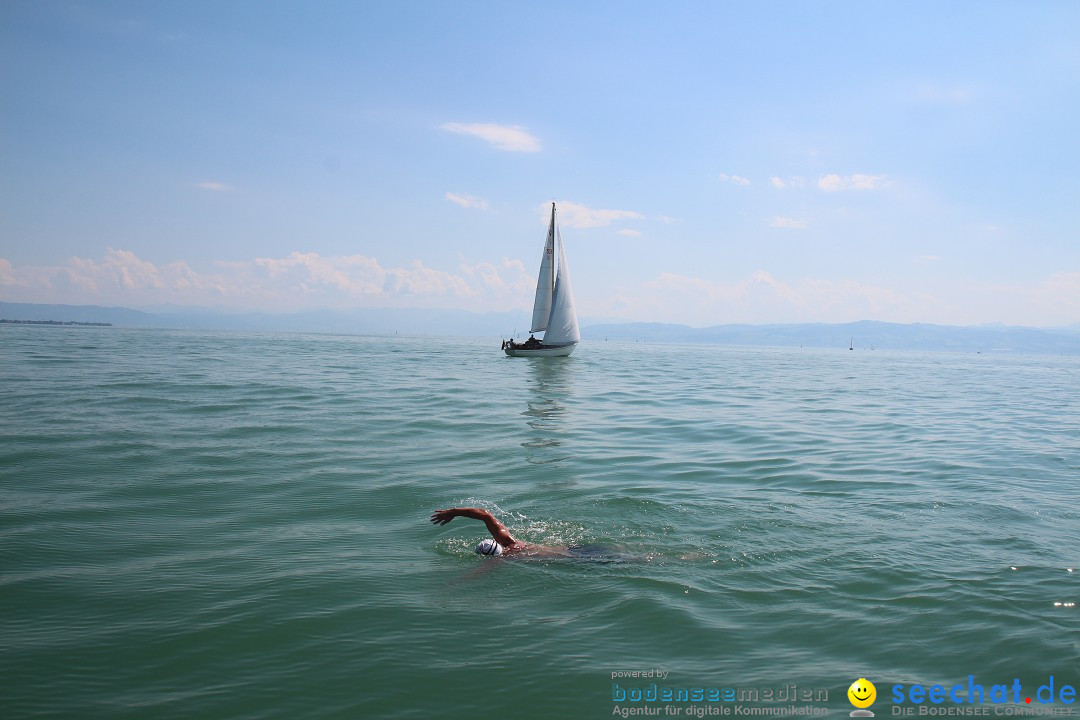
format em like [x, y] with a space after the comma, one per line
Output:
[441, 517]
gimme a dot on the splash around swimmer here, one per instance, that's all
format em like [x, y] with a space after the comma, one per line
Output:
[502, 542]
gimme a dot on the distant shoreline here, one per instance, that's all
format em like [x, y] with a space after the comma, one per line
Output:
[994, 338]
[54, 322]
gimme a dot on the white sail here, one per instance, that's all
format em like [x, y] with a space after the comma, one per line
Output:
[545, 281]
[562, 326]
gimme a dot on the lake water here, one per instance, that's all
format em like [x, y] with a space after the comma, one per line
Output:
[212, 525]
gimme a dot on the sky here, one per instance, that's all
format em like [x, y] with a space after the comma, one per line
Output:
[712, 162]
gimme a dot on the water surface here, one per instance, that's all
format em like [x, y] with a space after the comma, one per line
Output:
[201, 524]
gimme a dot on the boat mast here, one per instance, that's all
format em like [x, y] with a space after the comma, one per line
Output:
[554, 234]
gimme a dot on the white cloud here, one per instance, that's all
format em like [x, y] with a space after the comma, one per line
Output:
[310, 272]
[213, 186]
[734, 179]
[487, 273]
[467, 201]
[627, 232]
[8, 278]
[868, 182]
[786, 222]
[355, 276]
[418, 279]
[834, 183]
[511, 279]
[927, 258]
[667, 219]
[792, 182]
[124, 271]
[300, 281]
[831, 183]
[578, 216]
[296, 281]
[511, 138]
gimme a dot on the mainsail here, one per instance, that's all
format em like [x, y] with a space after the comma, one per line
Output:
[545, 281]
[562, 326]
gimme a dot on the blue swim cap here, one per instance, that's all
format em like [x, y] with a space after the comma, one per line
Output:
[489, 547]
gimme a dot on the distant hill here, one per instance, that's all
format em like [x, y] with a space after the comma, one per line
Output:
[405, 321]
[76, 313]
[447, 323]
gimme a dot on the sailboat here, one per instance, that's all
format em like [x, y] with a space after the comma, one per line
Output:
[553, 308]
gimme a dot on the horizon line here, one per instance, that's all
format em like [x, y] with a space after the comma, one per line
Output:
[225, 312]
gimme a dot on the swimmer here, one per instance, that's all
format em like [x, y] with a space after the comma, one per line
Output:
[502, 542]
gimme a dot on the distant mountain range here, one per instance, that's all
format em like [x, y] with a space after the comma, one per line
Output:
[405, 321]
[864, 335]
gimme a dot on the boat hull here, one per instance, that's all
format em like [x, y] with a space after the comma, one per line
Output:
[558, 351]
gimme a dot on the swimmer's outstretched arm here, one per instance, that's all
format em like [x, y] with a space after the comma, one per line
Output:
[496, 528]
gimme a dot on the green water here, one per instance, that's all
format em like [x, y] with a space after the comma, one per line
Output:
[206, 525]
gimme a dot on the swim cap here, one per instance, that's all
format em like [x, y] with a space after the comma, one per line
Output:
[489, 547]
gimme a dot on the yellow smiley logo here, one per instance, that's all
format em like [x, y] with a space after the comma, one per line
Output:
[862, 693]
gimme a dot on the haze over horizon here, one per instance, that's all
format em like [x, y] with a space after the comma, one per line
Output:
[712, 163]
